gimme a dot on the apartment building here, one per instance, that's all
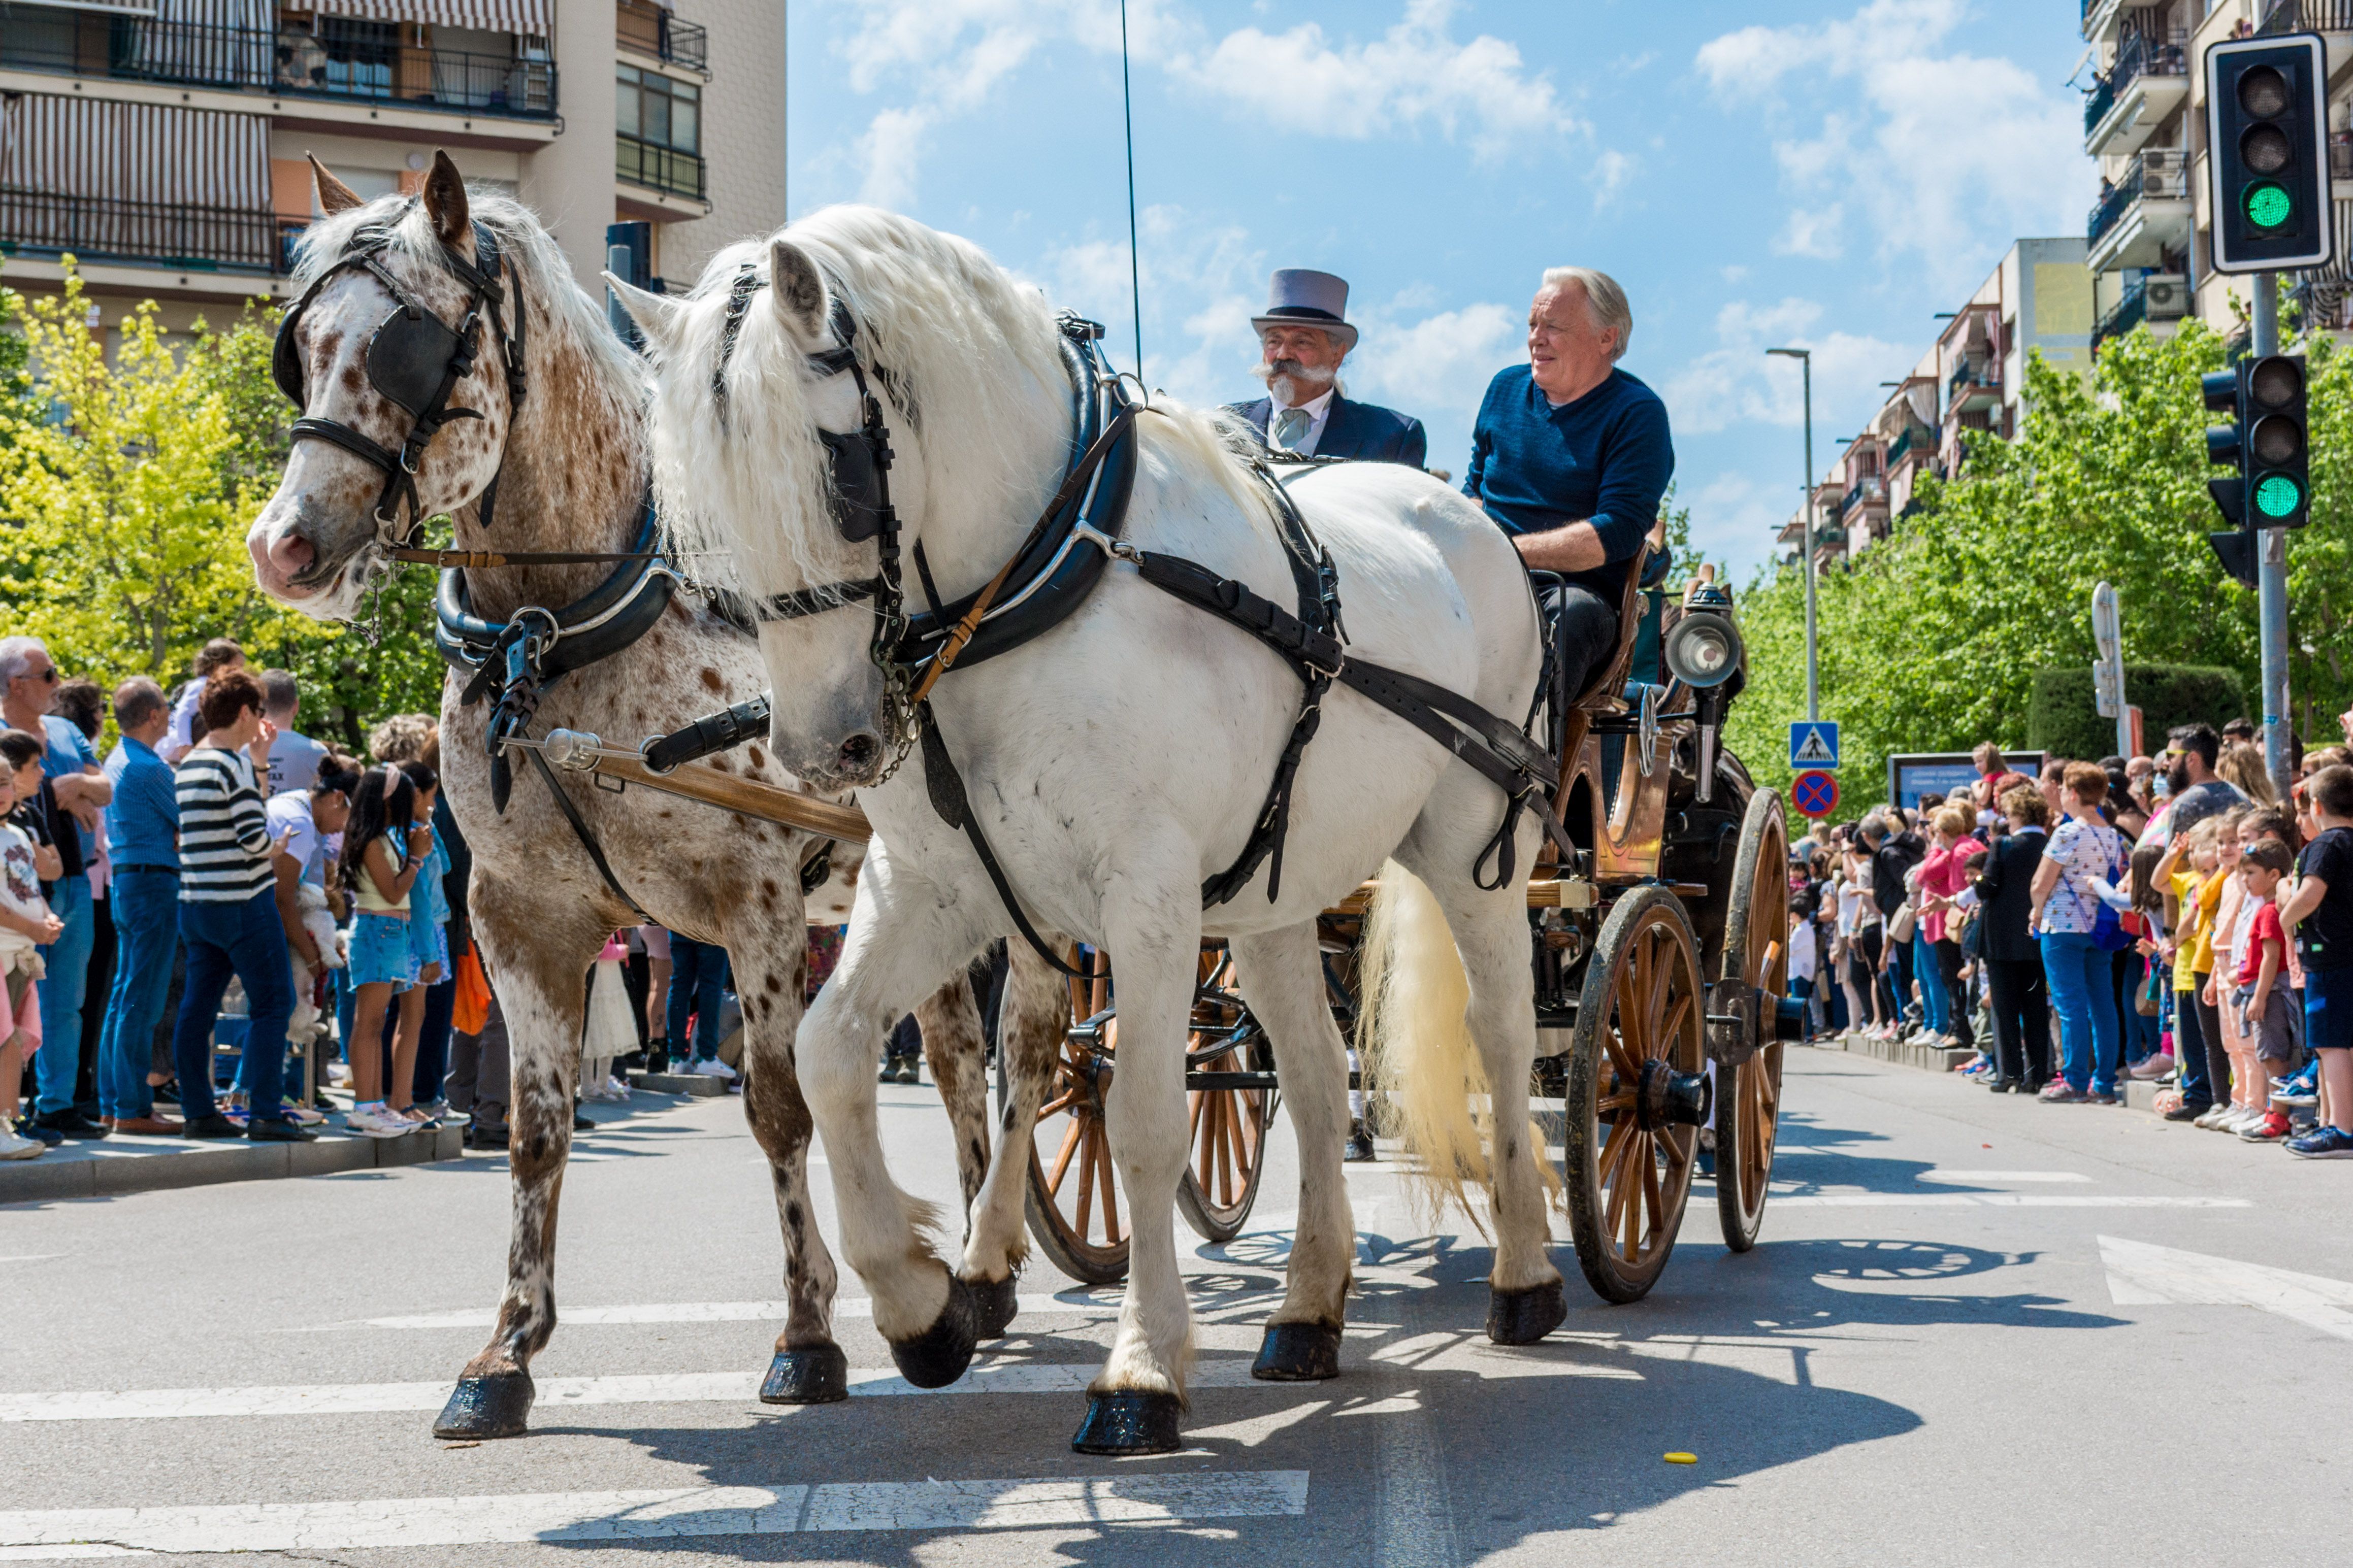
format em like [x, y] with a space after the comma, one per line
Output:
[1972, 379]
[162, 141]
[2145, 120]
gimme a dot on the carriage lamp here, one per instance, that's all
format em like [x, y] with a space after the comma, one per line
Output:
[1704, 650]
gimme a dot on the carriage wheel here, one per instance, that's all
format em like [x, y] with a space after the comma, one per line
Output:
[1076, 1211]
[1229, 1125]
[1637, 1096]
[1756, 954]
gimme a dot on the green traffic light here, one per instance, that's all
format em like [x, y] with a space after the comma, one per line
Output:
[2276, 495]
[2267, 204]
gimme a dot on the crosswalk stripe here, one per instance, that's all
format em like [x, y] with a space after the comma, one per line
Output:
[705, 1313]
[558, 1517]
[658, 1388]
[1952, 1176]
[2001, 1201]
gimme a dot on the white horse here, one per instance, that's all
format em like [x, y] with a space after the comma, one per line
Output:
[570, 463]
[1112, 763]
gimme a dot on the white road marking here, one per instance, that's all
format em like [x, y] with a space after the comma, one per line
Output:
[2001, 1200]
[1947, 1174]
[702, 1312]
[661, 1388]
[2143, 1274]
[557, 1517]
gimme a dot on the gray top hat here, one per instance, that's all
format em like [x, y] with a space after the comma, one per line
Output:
[1299, 297]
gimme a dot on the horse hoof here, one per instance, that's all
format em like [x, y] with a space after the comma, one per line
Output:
[938, 1356]
[1523, 1317]
[993, 1307]
[1297, 1353]
[1129, 1421]
[818, 1374]
[494, 1406]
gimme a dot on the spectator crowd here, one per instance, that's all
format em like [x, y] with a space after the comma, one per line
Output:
[2169, 919]
[222, 924]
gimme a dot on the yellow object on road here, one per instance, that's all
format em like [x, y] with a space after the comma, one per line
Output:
[1682, 1458]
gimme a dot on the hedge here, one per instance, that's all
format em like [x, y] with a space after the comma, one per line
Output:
[2062, 717]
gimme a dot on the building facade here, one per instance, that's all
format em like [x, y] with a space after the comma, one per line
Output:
[162, 143]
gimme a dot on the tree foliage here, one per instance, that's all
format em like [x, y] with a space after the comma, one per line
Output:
[1930, 641]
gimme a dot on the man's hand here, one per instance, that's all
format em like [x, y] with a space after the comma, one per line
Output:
[259, 750]
[1572, 547]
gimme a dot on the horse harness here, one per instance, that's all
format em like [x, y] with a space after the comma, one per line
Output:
[1048, 576]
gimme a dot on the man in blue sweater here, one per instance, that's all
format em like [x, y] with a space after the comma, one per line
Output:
[1571, 456]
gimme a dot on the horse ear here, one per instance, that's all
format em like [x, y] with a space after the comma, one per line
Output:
[444, 202]
[334, 196]
[654, 313]
[802, 302]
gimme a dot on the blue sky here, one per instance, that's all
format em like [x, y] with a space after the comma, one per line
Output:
[1825, 173]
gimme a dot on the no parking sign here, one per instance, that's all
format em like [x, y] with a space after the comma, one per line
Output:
[1814, 793]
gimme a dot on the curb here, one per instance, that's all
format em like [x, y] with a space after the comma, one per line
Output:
[701, 1085]
[2137, 1094]
[80, 1170]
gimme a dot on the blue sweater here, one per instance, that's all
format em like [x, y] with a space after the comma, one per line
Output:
[1604, 460]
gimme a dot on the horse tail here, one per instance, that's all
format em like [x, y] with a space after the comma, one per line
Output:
[1413, 1037]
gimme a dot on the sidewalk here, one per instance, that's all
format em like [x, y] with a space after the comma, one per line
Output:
[2137, 1095]
[108, 1167]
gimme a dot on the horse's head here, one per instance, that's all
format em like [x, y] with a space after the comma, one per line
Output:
[397, 354]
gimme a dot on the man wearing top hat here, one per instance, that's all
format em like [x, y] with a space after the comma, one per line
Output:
[1305, 335]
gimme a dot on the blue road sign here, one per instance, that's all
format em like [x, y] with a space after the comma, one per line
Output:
[1814, 744]
[1814, 793]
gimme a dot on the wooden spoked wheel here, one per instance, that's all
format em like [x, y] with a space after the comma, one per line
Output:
[1756, 954]
[1229, 1141]
[1076, 1211]
[1636, 1094]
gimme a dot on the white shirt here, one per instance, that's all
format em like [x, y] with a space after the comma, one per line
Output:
[294, 760]
[1801, 950]
[1319, 413]
[183, 732]
[291, 811]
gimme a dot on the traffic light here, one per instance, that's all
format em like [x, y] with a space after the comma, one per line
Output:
[2226, 444]
[2266, 113]
[2275, 459]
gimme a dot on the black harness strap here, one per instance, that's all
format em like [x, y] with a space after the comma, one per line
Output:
[587, 837]
[946, 788]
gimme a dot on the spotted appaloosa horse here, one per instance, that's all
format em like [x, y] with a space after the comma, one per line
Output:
[573, 478]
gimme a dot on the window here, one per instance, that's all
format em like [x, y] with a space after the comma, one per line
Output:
[657, 109]
[360, 55]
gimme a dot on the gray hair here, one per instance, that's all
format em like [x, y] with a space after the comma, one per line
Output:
[1874, 825]
[1602, 297]
[279, 694]
[137, 700]
[14, 654]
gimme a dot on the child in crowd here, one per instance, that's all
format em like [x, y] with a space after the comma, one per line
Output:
[386, 843]
[26, 923]
[2265, 1006]
[1803, 949]
[611, 1030]
[2231, 1091]
[2320, 912]
[428, 939]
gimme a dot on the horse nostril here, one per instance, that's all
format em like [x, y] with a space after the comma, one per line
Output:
[859, 751]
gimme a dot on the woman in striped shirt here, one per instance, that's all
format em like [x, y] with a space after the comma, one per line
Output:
[229, 914]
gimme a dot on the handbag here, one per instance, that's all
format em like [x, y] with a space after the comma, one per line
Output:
[470, 1008]
[1900, 923]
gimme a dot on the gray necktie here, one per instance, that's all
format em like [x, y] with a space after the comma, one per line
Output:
[1290, 427]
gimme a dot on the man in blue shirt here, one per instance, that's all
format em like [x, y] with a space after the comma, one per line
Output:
[142, 834]
[1572, 455]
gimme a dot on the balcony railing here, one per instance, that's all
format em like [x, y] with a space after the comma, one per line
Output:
[1914, 438]
[1870, 488]
[2139, 56]
[288, 60]
[2161, 171]
[1970, 374]
[657, 168]
[2307, 17]
[650, 30]
[2130, 310]
[100, 228]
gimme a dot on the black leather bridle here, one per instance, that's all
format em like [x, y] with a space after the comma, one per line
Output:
[413, 360]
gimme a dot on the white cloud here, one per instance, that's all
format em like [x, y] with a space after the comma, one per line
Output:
[1814, 234]
[1441, 362]
[1612, 170]
[1734, 517]
[1738, 383]
[1969, 148]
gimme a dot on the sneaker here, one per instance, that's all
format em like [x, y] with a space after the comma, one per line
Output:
[2151, 1067]
[2325, 1143]
[437, 1111]
[711, 1067]
[14, 1146]
[2181, 1110]
[2102, 1097]
[46, 1137]
[2238, 1118]
[302, 1114]
[2270, 1130]
[2290, 1091]
[2058, 1091]
[2211, 1114]
[377, 1121]
[616, 1088]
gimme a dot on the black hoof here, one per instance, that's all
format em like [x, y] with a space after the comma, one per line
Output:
[819, 1374]
[1297, 1353]
[993, 1307]
[494, 1406]
[1523, 1317]
[937, 1356]
[1130, 1421]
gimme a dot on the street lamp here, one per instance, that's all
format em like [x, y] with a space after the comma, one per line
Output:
[1805, 359]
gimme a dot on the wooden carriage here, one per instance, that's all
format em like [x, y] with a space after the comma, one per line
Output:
[1660, 959]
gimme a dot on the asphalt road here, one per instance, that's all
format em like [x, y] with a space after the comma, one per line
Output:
[1978, 1330]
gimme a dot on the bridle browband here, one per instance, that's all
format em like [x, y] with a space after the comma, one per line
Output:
[414, 361]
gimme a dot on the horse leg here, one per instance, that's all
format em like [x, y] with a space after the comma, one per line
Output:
[807, 1367]
[1282, 977]
[1029, 1023]
[1134, 1402]
[949, 1020]
[539, 988]
[902, 940]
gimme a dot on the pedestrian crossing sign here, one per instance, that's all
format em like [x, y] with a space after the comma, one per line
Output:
[1814, 744]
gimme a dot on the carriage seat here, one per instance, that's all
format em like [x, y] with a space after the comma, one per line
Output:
[1640, 612]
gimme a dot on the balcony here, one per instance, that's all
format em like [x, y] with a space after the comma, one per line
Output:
[2307, 16]
[2146, 84]
[2130, 311]
[2100, 19]
[2144, 214]
[285, 62]
[663, 169]
[650, 30]
[46, 224]
[1917, 443]
[1975, 384]
[1870, 489]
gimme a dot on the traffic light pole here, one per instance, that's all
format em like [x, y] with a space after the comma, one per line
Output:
[2271, 577]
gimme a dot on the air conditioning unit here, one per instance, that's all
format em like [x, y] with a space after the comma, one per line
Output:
[2166, 296]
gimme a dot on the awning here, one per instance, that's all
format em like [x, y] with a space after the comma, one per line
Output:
[114, 8]
[491, 16]
[134, 152]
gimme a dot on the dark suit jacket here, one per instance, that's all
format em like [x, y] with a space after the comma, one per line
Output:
[1354, 430]
[2007, 888]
